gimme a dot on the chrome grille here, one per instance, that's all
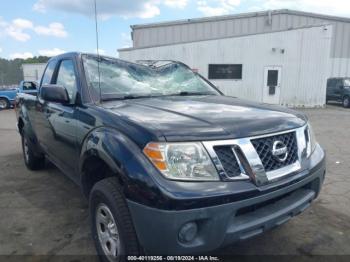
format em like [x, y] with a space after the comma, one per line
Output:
[251, 157]
[228, 160]
[263, 147]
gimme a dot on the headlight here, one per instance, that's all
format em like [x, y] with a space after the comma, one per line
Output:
[310, 140]
[182, 161]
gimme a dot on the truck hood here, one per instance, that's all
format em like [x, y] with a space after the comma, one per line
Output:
[190, 118]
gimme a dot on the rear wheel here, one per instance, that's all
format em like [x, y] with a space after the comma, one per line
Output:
[346, 102]
[4, 103]
[111, 224]
[31, 160]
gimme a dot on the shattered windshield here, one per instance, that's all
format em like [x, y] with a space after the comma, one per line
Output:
[121, 79]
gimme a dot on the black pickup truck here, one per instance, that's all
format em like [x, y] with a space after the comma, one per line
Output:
[170, 165]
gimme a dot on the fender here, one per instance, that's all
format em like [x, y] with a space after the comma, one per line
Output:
[126, 159]
[7, 97]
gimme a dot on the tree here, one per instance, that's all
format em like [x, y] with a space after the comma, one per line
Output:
[11, 70]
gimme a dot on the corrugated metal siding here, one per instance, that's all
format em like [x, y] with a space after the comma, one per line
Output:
[339, 67]
[190, 32]
[305, 63]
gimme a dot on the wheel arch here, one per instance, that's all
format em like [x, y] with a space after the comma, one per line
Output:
[124, 158]
[23, 123]
[104, 153]
[20, 125]
[5, 97]
[24, 126]
[93, 170]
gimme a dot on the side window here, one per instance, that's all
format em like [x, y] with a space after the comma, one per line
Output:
[272, 78]
[66, 77]
[47, 76]
[28, 86]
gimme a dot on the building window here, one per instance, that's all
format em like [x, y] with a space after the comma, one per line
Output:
[272, 77]
[225, 71]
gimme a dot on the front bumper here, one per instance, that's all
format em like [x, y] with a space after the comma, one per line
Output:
[158, 230]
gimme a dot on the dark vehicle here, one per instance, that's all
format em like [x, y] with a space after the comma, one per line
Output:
[8, 96]
[169, 164]
[338, 89]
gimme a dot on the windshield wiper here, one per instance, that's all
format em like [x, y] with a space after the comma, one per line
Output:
[111, 97]
[186, 93]
[125, 97]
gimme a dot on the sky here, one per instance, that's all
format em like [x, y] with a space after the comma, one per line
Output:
[49, 27]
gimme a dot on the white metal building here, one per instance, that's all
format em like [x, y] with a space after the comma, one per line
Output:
[33, 72]
[280, 57]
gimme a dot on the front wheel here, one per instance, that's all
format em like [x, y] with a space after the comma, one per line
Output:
[111, 224]
[346, 102]
[4, 103]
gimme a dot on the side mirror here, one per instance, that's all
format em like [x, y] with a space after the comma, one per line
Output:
[54, 93]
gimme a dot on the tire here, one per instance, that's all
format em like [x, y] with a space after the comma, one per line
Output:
[346, 102]
[111, 223]
[4, 103]
[31, 160]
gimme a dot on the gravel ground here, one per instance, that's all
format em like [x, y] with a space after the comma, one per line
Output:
[44, 213]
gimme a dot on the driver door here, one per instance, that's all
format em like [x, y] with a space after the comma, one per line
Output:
[63, 119]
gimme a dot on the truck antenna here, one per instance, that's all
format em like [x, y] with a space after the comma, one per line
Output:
[97, 51]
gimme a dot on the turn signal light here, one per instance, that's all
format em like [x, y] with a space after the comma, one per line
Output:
[154, 153]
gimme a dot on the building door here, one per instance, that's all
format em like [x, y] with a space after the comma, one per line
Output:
[272, 84]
